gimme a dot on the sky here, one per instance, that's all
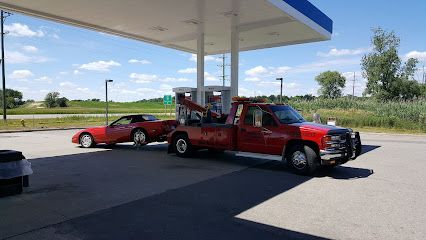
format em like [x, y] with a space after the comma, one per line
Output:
[44, 56]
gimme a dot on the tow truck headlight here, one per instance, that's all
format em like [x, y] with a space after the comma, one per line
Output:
[330, 141]
[330, 138]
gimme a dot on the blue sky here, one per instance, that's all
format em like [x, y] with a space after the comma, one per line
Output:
[44, 56]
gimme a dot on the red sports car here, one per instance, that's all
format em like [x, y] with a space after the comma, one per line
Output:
[140, 129]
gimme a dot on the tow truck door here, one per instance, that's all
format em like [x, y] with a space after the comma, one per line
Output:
[250, 137]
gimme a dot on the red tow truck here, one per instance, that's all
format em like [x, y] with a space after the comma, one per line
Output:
[263, 128]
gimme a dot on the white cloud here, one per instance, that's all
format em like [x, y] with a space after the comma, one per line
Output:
[21, 74]
[22, 30]
[16, 57]
[252, 79]
[44, 79]
[188, 70]
[54, 35]
[209, 77]
[143, 61]
[83, 89]
[68, 84]
[256, 71]
[334, 52]
[147, 78]
[291, 85]
[173, 79]
[193, 58]
[142, 78]
[249, 92]
[126, 94]
[421, 56]
[30, 49]
[100, 66]
[64, 73]
[77, 72]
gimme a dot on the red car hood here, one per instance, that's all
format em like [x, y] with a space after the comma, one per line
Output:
[91, 129]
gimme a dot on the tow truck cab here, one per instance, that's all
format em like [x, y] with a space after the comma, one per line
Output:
[269, 129]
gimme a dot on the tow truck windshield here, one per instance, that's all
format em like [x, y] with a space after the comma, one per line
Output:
[287, 115]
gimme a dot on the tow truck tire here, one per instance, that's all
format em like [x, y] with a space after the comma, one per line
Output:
[302, 159]
[183, 147]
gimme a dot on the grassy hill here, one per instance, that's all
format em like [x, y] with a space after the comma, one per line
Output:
[86, 107]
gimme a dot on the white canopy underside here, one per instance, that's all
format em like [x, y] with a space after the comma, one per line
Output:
[176, 23]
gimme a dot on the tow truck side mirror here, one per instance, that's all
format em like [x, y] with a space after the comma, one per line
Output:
[257, 118]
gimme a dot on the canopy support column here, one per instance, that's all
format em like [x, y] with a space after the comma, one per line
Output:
[235, 45]
[200, 69]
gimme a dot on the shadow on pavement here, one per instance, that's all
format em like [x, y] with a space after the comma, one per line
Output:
[368, 148]
[204, 210]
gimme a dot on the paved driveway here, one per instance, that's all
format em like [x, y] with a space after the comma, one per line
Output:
[127, 193]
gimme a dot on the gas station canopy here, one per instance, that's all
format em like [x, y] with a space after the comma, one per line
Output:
[176, 23]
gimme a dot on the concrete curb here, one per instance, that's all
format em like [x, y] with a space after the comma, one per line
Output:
[39, 130]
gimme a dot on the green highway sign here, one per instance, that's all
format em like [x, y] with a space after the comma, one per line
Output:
[167, 100]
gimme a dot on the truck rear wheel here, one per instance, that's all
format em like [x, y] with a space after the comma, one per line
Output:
[302, 159]
[183, 147]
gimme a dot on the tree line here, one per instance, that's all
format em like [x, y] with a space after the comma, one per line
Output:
[388, 77]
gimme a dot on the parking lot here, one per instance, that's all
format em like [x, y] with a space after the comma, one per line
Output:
[144, 193]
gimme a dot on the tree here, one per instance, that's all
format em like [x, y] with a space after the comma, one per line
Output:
[331, 84]
[13, 98]
[387, 77]
[51, 99]
[62, 102]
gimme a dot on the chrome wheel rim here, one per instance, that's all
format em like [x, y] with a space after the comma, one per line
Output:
[139, 137]
[181, 146]
[86, 141]
[299, 160]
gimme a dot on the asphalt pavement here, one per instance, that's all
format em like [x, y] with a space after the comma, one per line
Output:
[144, 193]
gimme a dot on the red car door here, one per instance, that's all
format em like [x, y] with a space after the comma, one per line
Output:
[251, 138]
[119, 131]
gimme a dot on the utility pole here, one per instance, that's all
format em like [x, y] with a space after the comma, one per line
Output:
[223, 66]
[424, 75]
[281, 92]
[353, 87]
[106, 100]
[3, 16]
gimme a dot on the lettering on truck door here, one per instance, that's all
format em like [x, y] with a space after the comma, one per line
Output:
[251, 138]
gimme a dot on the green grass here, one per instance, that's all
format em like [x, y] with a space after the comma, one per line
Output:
[364, 114]
[369, 114]
[63, 122]
[77, 107]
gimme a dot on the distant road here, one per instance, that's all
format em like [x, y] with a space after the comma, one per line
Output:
[44, 116]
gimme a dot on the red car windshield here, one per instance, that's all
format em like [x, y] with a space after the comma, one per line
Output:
[149, 118]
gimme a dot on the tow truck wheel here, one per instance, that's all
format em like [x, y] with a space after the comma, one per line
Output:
[86, 140]
[183, 147]
[302, 159]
